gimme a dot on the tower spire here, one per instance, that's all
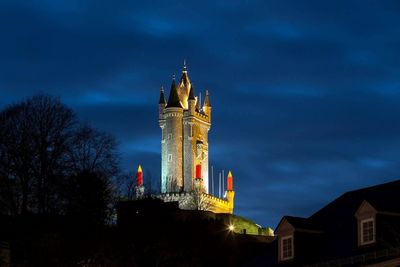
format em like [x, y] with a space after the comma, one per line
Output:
[139, 176]
[184, 66]
[207, 100]
[139, 183]
[173, 100]
[229, 182]
[191, 93]
[162, 96]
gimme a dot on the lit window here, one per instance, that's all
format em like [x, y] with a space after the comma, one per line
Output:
[367, 231]
[169, 157]
[287, 248]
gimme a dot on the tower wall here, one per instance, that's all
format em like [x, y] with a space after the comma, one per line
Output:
[184, 137]
[188, 159]
[195, 143]
[172, 151]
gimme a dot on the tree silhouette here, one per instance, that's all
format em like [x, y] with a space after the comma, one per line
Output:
[88, 197]
[42, 147]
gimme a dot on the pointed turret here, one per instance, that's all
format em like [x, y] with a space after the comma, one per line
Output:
[191, 101]
[191, 93]
[207, 106]
[184, 87]
[173, 100]
[230, 194]
[207, 100]
[198, 104]
[139, 176]
[229, 182]
[162, 97]
[185, 77]
[139, 183]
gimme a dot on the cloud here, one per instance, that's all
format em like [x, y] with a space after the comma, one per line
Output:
[305, 95]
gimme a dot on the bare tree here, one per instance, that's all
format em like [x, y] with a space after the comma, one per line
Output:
[32, 143]
[41, 147]
[94, 151]
[126, 185]
[199, 199]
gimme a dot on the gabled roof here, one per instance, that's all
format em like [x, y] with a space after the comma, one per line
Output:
[365, 207]
[299, 224]
[384, 198]
[338, 238]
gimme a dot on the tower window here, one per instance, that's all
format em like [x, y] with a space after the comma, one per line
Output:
[367, 231]
[286, 248]
[169, 136]
[169, 157]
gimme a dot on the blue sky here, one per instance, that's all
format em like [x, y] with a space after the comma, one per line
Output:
[305, 94]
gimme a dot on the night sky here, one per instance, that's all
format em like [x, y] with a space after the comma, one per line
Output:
[305, 94]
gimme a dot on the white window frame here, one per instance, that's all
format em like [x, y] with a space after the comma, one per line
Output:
[283, 258]
[362, 242]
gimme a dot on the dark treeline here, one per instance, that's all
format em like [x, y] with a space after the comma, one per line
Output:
[59, 185]
[50, 163]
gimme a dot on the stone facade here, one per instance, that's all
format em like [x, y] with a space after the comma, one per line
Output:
[185, 124]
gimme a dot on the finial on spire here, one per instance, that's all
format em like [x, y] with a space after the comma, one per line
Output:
[173, 76]
[184, 66]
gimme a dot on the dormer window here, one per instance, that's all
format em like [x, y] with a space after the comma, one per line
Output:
[366, 223]
[367, 231]
[286, 247]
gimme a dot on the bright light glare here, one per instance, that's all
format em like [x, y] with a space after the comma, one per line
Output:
[231, 227]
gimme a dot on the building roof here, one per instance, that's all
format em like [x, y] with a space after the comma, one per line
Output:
[207, 102]
[191, 93]
[173, 100]
[300, 223]
[337, 225]
[383, 197]
[162, 96]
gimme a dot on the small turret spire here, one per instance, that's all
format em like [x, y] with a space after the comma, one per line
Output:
[198, 103]
[139, 183]
[139, 176]
[173, 100]
[191, 93]
[229, 182]
[162, 97]
[207, 100]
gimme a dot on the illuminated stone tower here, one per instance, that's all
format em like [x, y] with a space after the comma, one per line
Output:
[184, 124]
